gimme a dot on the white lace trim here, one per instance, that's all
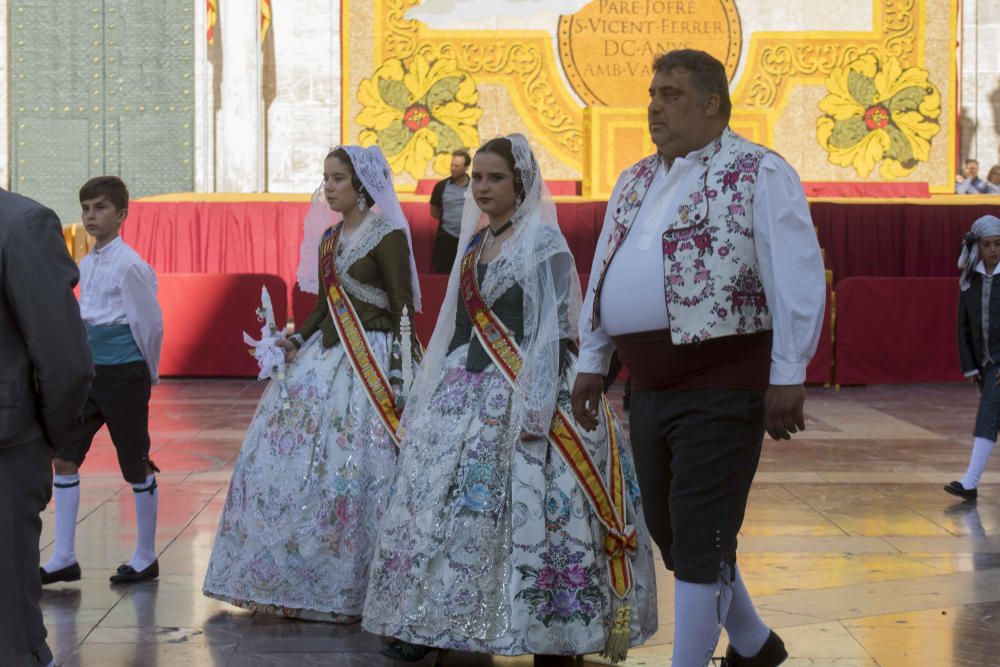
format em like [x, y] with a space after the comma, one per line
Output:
[367, 237]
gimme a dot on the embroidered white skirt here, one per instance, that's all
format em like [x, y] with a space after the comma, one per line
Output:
[307, 493]
[488, 544]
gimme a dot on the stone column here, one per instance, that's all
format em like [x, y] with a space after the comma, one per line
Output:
[980, 120]
[302, 92]
[4, 108]
[239, 139]
[204, 102]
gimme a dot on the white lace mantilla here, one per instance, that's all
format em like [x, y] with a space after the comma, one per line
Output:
[503, 270]
[365, 239]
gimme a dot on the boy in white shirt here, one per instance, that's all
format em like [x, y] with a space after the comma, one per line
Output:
[125, 329]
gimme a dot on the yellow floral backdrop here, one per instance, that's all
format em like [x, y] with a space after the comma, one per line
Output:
[878, 113]
[419, 111]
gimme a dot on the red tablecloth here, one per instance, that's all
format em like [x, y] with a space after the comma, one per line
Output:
[896, 330]
[204, 317]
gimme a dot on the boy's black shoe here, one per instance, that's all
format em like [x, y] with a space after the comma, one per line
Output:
[126, 574]
[68, 573]
[771, 654]
[956, 489]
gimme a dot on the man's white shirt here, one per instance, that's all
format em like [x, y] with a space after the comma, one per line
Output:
[788, 256]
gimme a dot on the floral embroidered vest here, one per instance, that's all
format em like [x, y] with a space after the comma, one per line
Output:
[711, 280]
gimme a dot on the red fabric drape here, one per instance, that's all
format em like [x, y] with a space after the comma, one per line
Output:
[894, 239]
[204, 317]
[264, 237]
[896, 330]
[860, 239]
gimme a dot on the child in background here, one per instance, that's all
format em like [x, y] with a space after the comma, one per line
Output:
[979, 342]
[124, 328]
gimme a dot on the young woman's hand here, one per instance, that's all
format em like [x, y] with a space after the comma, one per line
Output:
[289, 348]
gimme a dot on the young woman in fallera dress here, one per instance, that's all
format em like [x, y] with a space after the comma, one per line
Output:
[489, 543]
[314, 473]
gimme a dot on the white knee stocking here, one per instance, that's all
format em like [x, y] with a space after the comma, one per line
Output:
[747, 632]
[66, 495]
[146, 500]
[699, 613]
[981, 449]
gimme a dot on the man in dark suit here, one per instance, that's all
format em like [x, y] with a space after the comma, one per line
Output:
[45, 374]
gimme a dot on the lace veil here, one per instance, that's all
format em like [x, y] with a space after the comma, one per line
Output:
[376, 177]
[537, 258]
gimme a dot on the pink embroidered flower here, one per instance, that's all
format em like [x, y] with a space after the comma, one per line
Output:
[548, 578]
[675, 279]
[737, 209]
[723, 251]
[701, 276]
[703, 242]
[730, 179]
[346, 510]
[398, 562]
[696, 198]
[573, 577]
[669, 248]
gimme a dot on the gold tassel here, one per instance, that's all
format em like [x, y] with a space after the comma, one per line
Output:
[616, 648]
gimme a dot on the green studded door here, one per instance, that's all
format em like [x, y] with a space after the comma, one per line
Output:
[100, 87]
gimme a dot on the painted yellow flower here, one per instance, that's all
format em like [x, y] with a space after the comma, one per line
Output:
[877, 112]
[418, 112]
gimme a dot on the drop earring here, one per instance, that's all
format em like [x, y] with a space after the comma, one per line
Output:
[361, 204]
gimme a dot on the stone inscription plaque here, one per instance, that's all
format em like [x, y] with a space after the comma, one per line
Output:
[607, 48]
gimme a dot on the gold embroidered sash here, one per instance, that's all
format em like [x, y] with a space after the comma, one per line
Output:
[606, 499]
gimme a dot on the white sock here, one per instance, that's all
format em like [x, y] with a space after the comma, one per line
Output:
[981, 448]
[66, 495]
[747, 632]
[146, 500]
[699, 613]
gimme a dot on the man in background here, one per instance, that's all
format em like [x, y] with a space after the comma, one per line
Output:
[447, 201]
[969, 182]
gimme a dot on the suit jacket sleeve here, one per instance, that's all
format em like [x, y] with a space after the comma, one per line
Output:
[966, 353]
[48, 316]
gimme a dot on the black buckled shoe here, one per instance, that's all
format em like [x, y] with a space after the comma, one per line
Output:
[956, 489]
[771, 654]
[68, 573]
[126, 574]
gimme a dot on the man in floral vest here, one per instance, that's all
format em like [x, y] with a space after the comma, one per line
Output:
[708, 280]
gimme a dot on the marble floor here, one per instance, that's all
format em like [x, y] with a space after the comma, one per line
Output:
[850, 549]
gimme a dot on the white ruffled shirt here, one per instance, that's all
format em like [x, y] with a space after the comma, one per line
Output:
[118, 287]
[788, 255]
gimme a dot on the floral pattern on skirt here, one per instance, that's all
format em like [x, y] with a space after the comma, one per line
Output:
[299, 526]
[488, 544]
